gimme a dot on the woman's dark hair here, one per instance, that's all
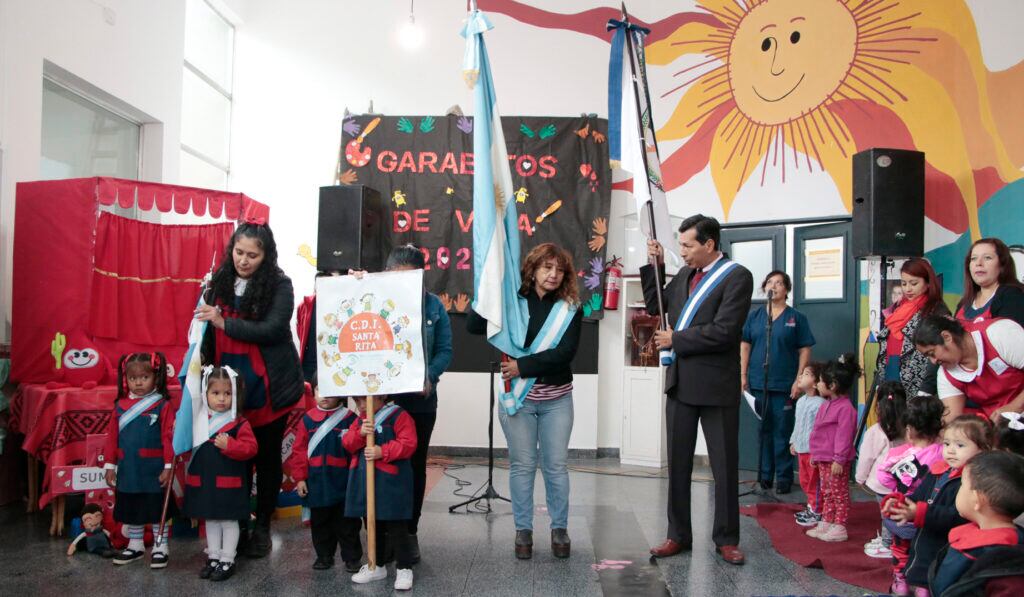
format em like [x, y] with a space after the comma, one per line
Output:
[891, 408]
[924, 414]
[920, 268]
[839, 375]
[1007, 269]
[929, 332]
[406, 256]
[568, 291]
[997, 476]
[1008, 438]
[787, 282]
[977, 429]
[705, 228]
[260, 290]
[154, 361]
[219, 373]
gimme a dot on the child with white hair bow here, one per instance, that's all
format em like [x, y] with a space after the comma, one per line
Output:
[215, 487]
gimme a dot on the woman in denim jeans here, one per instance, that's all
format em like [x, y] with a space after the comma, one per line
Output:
[540, 430]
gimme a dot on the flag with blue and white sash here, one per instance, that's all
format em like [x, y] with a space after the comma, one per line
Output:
[707, 284]
[496, 246]
[191, 376]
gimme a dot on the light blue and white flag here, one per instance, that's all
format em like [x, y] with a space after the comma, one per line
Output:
[191, 377]
[495, 221]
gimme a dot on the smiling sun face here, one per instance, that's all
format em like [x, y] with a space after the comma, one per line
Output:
[788, 56]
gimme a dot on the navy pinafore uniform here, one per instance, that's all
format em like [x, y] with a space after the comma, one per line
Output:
[329, 463]
[215, 487]
[393, 482]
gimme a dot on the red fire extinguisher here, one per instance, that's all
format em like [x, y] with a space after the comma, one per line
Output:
[613, 283]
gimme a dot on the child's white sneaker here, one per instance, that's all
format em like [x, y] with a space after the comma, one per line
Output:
[834, 534]
[403, 580]
[876, 542]
[819, 530]
[366, 575]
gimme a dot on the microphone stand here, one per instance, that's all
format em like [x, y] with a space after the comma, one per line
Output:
[489, 493]
[759, 488]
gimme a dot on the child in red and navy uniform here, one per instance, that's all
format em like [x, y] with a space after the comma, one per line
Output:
[215, 487]
[395, 443]
[991, 495]
[931, 508]
[139, 452]
[320, 466]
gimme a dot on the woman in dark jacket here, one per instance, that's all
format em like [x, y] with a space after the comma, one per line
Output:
[991, 286]
[249, 306]
[541, 427]
[897, 358]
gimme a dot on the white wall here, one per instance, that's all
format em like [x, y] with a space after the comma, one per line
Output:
[128, 51]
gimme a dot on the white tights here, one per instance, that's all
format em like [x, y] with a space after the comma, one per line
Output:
[222, 540]
[135, 533]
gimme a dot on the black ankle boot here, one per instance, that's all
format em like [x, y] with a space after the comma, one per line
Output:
[259, 542]
[560, 543]
[524, 544]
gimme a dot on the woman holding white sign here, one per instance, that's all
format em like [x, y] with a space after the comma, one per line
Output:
[543, 423]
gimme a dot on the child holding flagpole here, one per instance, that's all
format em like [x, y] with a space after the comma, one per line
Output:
[393, 441]
[139, 453]
[215, 488]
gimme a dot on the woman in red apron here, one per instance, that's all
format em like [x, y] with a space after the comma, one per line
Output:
[991, 286]
[249, 306]
[981, 371]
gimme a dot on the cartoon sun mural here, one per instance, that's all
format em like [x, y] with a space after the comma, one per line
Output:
[769, 87]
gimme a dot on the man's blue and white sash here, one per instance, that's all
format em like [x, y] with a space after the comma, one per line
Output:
[326, 428]
[709, 282]
[549, 336]
[141, 405]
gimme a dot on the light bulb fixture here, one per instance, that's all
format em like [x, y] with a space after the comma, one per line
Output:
[410, 35]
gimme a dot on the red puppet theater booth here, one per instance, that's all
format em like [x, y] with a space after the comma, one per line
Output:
[89, 286]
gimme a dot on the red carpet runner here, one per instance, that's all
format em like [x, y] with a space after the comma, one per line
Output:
[843, 561]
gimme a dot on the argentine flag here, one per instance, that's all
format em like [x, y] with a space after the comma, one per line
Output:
[495, 224]
[191, 376]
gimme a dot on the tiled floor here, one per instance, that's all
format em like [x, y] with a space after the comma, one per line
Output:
[612, 517]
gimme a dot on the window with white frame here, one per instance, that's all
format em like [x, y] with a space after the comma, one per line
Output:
[81, 138]
[206, 97]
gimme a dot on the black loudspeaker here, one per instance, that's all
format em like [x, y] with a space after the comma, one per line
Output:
[351, 232]
[888, 203]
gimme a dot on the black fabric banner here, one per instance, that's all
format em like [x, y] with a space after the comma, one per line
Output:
[423, 168]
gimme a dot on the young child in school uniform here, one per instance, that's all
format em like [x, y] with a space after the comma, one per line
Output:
[903, 470]
[799, 443]
[320, 465]
[215, 487]
[394, 443]
[832, 448]
[991, 495]
[889, 432]
[139, 452]
[931, 508]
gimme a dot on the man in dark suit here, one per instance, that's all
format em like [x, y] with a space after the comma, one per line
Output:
[703, 380]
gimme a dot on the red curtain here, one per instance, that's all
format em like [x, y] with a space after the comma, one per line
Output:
[146, 279]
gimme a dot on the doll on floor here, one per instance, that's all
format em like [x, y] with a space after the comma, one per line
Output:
[97, 538]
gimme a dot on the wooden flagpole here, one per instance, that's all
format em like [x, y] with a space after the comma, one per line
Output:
[371, 494]
[158, 540]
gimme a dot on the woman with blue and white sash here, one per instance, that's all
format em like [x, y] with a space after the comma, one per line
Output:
[541, 424]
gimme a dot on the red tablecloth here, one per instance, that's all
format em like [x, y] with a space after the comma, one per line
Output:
[56, 422]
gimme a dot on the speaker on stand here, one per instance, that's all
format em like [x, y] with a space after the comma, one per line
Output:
[888, 216]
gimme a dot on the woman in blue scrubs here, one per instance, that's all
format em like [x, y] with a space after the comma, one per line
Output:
[789, 351]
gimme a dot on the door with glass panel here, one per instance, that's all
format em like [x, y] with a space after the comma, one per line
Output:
[760, 249]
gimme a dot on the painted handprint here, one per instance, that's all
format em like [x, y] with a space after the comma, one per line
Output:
[427, 124]
[596, 265]
[592, 280]
[350, 126]
[596, 243]
[461, 302]
[547, 131]
[464, 124]
[583, 132]
[404, 125]
[348, 177]
[446, 301]
[527, 131]
[598, 137]
[600, 226]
